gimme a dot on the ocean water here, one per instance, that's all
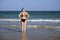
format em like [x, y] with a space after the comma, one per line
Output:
[36, 17]
[33, 14]
[10, 26]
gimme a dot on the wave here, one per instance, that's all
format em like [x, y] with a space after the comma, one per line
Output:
[33, 20]
[29, 26]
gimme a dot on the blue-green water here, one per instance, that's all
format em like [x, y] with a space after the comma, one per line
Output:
[36, 17]
[33, 14]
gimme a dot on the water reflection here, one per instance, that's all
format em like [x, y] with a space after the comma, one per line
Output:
[23, 35]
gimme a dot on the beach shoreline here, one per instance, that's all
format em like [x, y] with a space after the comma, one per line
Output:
[9, 32]
[12, 31]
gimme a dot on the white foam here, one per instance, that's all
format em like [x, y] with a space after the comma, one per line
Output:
[9, 19]
[47, 20]
[33, 20]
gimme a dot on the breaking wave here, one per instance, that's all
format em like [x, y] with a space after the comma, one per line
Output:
[33, 20]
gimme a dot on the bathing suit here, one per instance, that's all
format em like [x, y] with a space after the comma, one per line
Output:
[23, 20]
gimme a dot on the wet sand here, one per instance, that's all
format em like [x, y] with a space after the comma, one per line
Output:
[30, 34]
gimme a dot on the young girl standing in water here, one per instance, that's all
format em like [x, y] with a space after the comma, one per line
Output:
[23, 16]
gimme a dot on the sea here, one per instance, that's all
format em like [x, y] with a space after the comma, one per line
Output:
[41, 25]
[50, 18]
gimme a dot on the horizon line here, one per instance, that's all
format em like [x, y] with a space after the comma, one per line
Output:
[31, 10]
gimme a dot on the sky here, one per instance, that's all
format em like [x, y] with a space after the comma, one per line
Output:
[30, 5]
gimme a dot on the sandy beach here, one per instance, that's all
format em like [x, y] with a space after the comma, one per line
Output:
[13, 32]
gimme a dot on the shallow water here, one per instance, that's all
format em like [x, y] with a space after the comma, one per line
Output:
[30, 34]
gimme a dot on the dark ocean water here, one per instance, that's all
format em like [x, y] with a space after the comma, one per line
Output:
[33, 14]
[36, 17]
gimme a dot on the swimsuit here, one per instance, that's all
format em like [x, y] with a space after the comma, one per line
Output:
[23, 20]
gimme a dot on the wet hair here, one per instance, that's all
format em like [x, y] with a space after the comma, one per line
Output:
[23, 9]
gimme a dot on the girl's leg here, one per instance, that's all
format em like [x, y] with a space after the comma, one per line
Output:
[25, 26]
[22, 27]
